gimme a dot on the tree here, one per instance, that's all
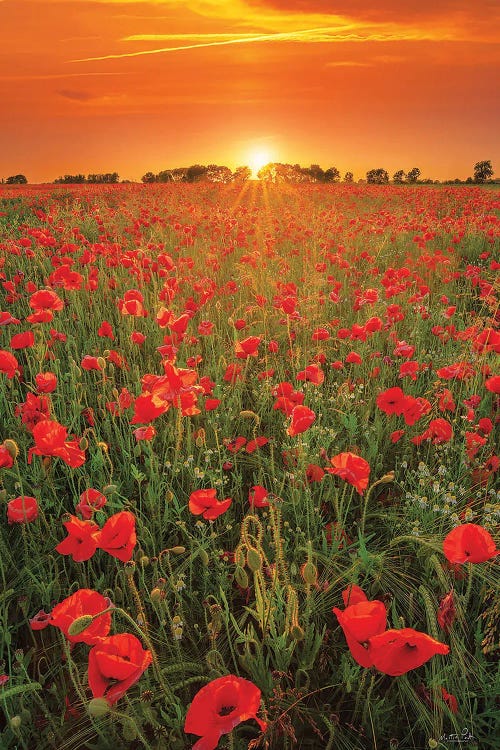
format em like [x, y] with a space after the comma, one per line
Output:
[241, 174]
[413, 175]
[16, 179]
[348, 177]
[483, 171]
[399, 177]
[149, 177]
[377, 176]
[332, 174]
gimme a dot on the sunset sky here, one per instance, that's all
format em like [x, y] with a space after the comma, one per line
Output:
[135, 86]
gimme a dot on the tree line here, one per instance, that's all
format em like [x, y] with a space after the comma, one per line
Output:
[272, 172]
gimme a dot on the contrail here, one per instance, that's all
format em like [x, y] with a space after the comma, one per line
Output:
[282, 36]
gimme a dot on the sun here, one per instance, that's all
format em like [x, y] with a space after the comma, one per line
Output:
[258, 158]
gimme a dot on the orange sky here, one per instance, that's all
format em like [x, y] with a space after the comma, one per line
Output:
[144, 85]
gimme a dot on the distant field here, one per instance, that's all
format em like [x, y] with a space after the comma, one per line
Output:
[220, 408]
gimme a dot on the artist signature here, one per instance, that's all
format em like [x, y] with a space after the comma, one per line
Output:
[464, 736]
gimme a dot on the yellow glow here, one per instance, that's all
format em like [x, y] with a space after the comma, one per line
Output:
[257, 159]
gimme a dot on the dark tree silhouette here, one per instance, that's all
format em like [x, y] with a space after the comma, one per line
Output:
[483, 171]
[377, 176]
[413, 175]
[348, 177]
[16, 179]
[399, 177]
[332, 174]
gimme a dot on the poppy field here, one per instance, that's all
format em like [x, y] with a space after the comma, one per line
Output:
[249, 467]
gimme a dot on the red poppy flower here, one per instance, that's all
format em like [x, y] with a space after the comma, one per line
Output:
[205, 503]
[314, 473]
[353, 595]
[396, 652]
[41, 620]
[302, 419]
[450, 700]
[219, 707]
[312, 373]
[8, 364]
[90, 363]
[117, 537]
[50, 440]
[392, 401]
[106, 330]
[361, 621]
[257, 496]
[258, 442]
[46, 382]
[81, 540]
[145, 433]
[83, 602]
[352, 468]
[137, 338]
[33, 410]
[90, 501]
[469, 543]
[439, 431]
[6, 457]
[46, 299]
[22, 340]
[22, 509]
[446, 612]
[493, 384]
[116, 663]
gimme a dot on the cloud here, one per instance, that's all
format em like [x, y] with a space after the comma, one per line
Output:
[75, 95]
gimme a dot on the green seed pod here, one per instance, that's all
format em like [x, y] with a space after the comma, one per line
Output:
[179, 550]
[80, 624]
[254, 559]
[241, 577]
[309, 573]
[98, 707]
[203, 554]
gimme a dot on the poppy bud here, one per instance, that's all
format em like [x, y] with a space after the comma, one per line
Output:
[144, 560]
[241, 577]
[309, 573]
[254, 559]
[387, 478]
[101, 362]
[3, 495]
[247, 414]
[80, 624]
[11, 447]
[109, 489]
[239, 556]
[177, 550]
[204, 556]
[297, 632]
[15, 723]
[83, 444]
[169, 496]
[98, 707]
[157, 595]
